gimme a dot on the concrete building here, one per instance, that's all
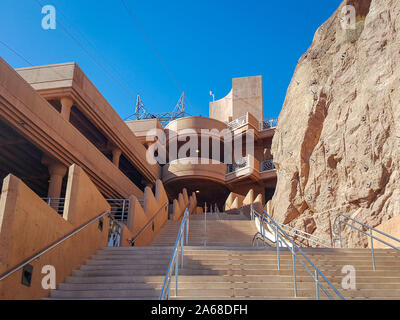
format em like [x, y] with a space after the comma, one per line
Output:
[239, 112]
[65, 151]
[92, 207]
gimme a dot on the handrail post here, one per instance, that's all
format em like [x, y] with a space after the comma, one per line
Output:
[294, 273]
[123, 211]
[316, 285]
[372, 247]
[176, 275]
[340, 233]
[182, 251]
[277, 247]
[168, 293]
[205, 226]
[187, 231]
[263, 230]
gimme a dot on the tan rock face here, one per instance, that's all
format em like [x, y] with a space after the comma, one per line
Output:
[337, 145]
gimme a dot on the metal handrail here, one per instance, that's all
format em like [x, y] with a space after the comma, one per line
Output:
[174, 262]
[132, 241]
[338, 223]
[259, 236]
[52, 246]
[306, 236]
[266, 218]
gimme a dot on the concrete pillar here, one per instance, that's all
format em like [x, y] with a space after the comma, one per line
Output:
[66, 105]
[57, 172]
[116, 153]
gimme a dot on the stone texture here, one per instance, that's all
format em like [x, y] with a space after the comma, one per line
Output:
[336, 147]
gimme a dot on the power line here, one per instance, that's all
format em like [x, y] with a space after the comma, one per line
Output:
[127, 91]
[16, 53]
[132, 17]
[94, 47]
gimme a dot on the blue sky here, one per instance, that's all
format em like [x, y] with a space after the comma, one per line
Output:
[204, 44]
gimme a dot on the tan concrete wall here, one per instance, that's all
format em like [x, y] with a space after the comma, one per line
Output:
[194, 123]
[243, 201]
[247, 97]
[28, 225]
[82, 197]
[234, 201]
[68, 79]
[391, 227]
[222, 109]
[45, 127]
[183, 202]
[139, 216]
[178, 169]
[141, 127]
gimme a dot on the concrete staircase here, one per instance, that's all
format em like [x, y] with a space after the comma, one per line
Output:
[233, 232]
[228, 268]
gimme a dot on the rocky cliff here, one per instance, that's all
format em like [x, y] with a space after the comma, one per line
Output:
[337, 144]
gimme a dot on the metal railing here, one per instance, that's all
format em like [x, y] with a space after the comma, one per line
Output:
[267, 165]
[148, 224]
[114, 233]
[205, 225]
[119, 209]
[237, 123]
[57, 243]
[343, 219]
[281, 238]
[309, 238]
[268, 124]
[239, 164]
[56, 203]
[258, 237]
[176, 258]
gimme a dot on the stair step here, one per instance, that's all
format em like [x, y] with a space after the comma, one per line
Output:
[229, 267]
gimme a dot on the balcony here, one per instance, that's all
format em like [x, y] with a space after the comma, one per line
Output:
[249, 167]
[246, 167]
[264, 129]
[194, 168]
[267, 170]
[235, 124]
[196, 124]
[267, 165]
[268, 124]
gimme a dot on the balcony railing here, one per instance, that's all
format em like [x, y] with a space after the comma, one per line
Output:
[268, 124]
[239, 164]
[264, 124]
[237, 123]
[267, 165]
